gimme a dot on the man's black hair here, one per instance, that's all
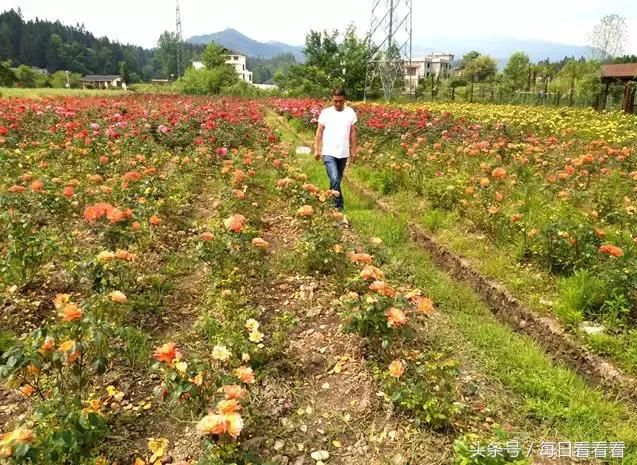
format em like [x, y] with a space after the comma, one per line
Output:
[339, 92]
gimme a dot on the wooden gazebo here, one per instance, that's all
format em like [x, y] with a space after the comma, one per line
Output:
[625, 73]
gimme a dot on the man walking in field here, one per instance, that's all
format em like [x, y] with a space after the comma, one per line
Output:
[336, 140]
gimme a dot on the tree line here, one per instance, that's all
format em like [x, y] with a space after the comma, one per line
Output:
[57, 47]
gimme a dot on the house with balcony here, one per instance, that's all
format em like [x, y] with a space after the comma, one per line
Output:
[239, 63]
[436, 65]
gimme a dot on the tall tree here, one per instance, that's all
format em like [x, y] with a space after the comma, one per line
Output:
[329, 63]
[321, 50]
[468, 57]
[516, 71]
[481, 68]
[123, 72]
[213, 56]
[167, 53]
[478, 68]
[609, 37]
[353, 54]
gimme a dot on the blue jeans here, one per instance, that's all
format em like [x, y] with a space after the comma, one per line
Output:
[335, 168]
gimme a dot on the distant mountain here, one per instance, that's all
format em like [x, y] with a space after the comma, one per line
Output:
[234, 40]
[501, 48]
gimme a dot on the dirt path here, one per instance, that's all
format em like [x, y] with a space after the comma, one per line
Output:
[128, 440]
[325, 400]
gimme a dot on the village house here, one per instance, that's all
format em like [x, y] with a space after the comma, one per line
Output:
[438, 65]
[102, 81]
[237, 61]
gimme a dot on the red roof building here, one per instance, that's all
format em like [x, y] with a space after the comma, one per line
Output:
[620, 73]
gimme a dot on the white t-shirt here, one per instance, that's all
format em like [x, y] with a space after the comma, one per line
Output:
[337, 128]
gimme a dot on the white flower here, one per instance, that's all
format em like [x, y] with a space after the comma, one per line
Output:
[252, 325]
[221, 353]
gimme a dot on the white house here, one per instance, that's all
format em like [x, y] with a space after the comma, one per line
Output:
[237, 61]
[434, 64]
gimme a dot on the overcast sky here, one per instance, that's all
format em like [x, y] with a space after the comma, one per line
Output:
[141, 21]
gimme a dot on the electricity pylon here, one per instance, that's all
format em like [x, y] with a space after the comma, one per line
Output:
[389, 43]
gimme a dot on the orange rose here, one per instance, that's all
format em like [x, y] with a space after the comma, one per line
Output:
[115, 215]
[611, 250]
[16, 189]
[245, 374]
[238, 177]
[212, 424]
[310, 188]
[68, 192]
[370, 272]
[37, 186]
[166, 353]
[395, 317]
[382, 288]
[305, 210]
[228, 406]
[71, 312]
[233, 391]
[396, 369]
[283, 182]
[361, 258]
[26, 390]
[125, 255]
[235, 223]
[155, 220]
[425, 305]
[499, 173]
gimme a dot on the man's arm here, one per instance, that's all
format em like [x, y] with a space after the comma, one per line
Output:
[318, 141]
[353, 142]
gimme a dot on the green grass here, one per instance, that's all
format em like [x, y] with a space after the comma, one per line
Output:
[137, 347]
[554, 400]
[534, 286]
[50, 92]
[530, 283]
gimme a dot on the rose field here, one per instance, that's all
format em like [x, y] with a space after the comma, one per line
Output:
[175, 286]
